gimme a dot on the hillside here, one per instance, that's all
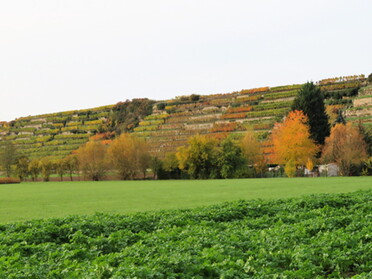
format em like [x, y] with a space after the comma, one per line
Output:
[168, 124]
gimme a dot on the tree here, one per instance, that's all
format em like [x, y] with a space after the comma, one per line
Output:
[171, 166]
[345, 146]
[253, 153]
[230, 160]
[369, 79]
[46, 168]
[34, 169]
[8, 156]
[310, 100]
[199, 157]
[22, 167]
[91, 158]
[156, 166]
[144, 162]
[60, 167]
[291, 140]
[71, 164]
[290, 168]
[129, 156]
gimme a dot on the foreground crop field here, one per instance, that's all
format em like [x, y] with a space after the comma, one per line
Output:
[321, 236]
[28, 201]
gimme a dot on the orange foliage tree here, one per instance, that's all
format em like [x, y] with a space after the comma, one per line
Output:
[291, 140]
[345, 146]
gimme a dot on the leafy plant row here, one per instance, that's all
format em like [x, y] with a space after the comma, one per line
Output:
[320, 236]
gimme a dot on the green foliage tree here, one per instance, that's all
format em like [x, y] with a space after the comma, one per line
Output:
[200, 157]
[22, 167]
[8, 157]
[231, 161]
[310, 100]
[156, 166]
[171, 166]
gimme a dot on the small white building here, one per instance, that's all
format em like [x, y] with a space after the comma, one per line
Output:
[329, 169]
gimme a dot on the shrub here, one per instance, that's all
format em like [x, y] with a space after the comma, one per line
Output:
[194, 97]
[9, 180]
[160, 106]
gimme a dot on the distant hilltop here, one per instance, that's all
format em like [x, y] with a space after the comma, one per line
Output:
[168, 124]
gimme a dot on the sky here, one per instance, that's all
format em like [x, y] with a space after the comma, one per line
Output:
[58, 55]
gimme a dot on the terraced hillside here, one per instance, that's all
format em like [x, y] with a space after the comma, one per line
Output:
[56, 134]
[361, 110]
[170, 123]
[173, 122]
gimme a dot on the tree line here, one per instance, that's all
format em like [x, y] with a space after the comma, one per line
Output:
[303, 139]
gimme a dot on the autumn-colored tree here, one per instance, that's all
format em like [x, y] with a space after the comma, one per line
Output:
[310, 164]
[60, 167]
[22, 167]
[71, 164]
[253, 152]
[129, 155]
[290, 168]
[46, 167]
[199, 157]
[291, 140]
[345, 146]
[34, 169]
[91, 158]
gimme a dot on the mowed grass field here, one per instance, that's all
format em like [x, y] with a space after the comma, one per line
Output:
[26, 201]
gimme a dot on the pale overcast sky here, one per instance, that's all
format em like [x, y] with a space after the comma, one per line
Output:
[74, 54]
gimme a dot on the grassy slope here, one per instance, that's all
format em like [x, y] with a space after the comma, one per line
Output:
[55, 199]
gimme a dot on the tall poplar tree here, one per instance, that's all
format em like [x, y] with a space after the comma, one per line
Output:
[310, 100]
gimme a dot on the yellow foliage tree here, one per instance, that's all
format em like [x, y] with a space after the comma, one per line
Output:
[290, 169]
[309, 164]
[91, 157]
[345, 146]
[291, 140]
[253, 153]
[129, 155]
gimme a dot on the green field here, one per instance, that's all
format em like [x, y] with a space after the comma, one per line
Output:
[317, 236]
[26, 201]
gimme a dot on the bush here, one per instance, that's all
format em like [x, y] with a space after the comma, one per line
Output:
[194, 97]
[370, 78]
[160, 106]
[9, 180]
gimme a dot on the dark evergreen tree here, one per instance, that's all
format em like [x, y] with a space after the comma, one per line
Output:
[310, 100]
